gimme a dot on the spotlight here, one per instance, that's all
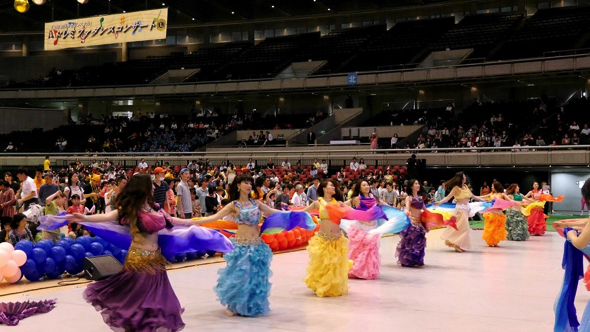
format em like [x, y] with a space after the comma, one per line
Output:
[83, 1]
[21, 6]
[272, 6]
[39, 2]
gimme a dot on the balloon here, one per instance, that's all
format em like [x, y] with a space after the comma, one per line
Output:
[180, 257]
[45, 246]
[29, 267]
[274, 245]
[211, 253]
[114, 249]
[201, 253]
[70, 262]
[16, 278]
[10, 269]
[58, 253]
[88, 254]
[96, 248]
[38, 255]
[267, 238]
[4, 258]
[50, 265]
[108, 252]
[55, 274]
[85, 241]
[290, 236]
[100, 240]
[280, 236]
[33, 276]
[169, 257]
[291, 243]
[77, 251]
[21, 6]
[6, 247]
[26, 246]
[64, 244]
[19, 257]
[191, 255]
[122, 256]
[70, 240]
[283, 244]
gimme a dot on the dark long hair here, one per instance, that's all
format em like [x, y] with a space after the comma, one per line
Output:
[134, 195]
[498, 188]
[337, 195]
[357, 189]
[586, 191]
[234, 193]
[511, 189]
[410, 185]
[456, 181]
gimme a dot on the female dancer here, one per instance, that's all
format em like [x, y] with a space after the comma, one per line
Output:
[243, 285]
[327, 273]
[459, 239]
[410, 249]
[494, 229]
[140, 297]
[534, 211]
[363, 248]
[516, 223]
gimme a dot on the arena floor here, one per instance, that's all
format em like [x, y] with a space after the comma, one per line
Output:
[510, 288]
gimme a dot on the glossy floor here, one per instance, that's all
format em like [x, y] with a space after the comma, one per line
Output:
[510, 288]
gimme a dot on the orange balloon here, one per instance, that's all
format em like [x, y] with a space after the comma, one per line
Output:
[280, 236]
[291, 243]
[298, 241]
[290, 236]
[267, 238]
[296, 232]
[274, 245]
[283, 244]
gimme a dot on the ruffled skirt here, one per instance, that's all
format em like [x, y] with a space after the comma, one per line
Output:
[516, 226]
[536, 221]
[494, 229]
[461, 236]
[243, 285]
[364, 252]
[327, 273]
[140, 297]
[411, 247]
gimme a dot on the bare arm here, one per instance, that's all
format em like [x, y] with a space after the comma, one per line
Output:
[408, 202]
[580, 241]
[51, 197]
[448, 198]
[267, 210]
[312, 206]
[228, 209]
[78, 217]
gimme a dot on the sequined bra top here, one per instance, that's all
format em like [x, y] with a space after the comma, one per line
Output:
[148, 222]
[323, 213]
[417, 203]
[462, 193]
[248, 215]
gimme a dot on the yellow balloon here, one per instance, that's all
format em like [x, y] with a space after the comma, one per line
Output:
[21, 6]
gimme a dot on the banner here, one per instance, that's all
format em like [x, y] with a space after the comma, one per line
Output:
[107, 29]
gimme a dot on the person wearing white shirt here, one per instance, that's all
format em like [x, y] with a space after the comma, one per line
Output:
[29, 189]
[286, 163]
[324, 166]
[299, 198]
[142, 164]
[354, 165]
[269, 137]
[251, 165]
[274, 178]
[586, 130]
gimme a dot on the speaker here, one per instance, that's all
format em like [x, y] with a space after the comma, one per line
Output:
[101, 267]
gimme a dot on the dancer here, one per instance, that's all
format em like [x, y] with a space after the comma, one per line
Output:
[327, 273]
[516, 223]
[363, 247]
[140, 297]
[243, 285]
[411, 247]
[459, 239]
[584, 206]
[534, 212]
[494, 230]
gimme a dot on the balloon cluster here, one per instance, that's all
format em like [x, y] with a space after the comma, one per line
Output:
[10, 260]
[67, 255]
[288, 239]
[189, 255]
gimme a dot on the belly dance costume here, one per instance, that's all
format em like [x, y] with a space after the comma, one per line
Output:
[364, 248]
[411, 247]
[243, 285]
[459, 237]
[140, 297]
[494, 229]
[535, 215]
[327, 272]
[516, 223]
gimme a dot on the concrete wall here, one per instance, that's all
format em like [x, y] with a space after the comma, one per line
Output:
[25, 119]
[401, 131]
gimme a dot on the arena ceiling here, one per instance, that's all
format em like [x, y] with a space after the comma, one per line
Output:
[191, 12]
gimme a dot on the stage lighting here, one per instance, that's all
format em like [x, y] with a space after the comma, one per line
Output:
[83, 1]
[39, 2]
[21, 6]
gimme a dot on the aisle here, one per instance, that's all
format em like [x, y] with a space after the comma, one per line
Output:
[510, 288]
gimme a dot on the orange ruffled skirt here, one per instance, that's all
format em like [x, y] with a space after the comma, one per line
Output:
[494, 229]
[537, 223]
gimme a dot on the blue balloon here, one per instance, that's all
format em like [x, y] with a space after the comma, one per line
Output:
[191, 255]
[58, 253]
[121, 256]
[40, 268]
[100, 240]
[77, 251]
[96, 248]
[70, 240]
[44, 245]
[26, 246]
[211, 253]
[85, 241]
[50, 265]
[201, 253]
[29, 266]
[88, 254]
[54, 275]
[34, 276]
[75, 270]
[38, 255]
[64, 244]
[169, 257]
[107, 252]
[70, 263]
[114, 249]
[180, 257]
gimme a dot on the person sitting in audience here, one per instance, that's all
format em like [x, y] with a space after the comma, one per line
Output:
[286, 163]
[354, 165]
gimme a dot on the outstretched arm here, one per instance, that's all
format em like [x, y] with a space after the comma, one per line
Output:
[448, 198]
[111, 216]
[228, 209]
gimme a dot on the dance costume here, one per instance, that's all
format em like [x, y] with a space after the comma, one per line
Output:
[536, 216]
[364, 247]
[494, 230]
[140, 297]
[243, 285]
[516, 223]
[459, 237]
[411, 247]
[327, 273]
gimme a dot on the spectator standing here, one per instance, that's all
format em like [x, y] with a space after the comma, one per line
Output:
[7, 200]
[202, 193]
[46, 164]
[39, 181]
[47, 189]
[310, 136]
[440, 192]
[160, 187]
[142, 165]
[29, 189]
[394, 140]
[185, 206]
[312, 194]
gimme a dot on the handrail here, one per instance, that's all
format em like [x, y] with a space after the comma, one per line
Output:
[314, 150]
